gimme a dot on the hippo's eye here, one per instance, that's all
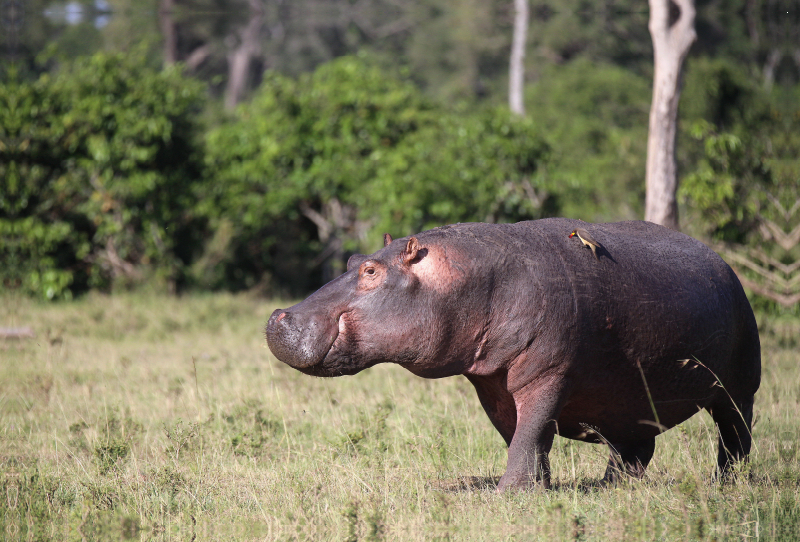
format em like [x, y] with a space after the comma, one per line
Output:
[370, 275]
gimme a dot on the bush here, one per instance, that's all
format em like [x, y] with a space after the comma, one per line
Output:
[106, 182]
[99, 163]
[741, 186]
[317, 168]
[481, 165]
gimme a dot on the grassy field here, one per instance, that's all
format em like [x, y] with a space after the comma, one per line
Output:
[147, 417]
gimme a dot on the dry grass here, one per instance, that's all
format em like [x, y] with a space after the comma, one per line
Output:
[161, 417]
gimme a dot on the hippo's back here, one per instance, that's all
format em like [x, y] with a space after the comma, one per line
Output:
[652, 297]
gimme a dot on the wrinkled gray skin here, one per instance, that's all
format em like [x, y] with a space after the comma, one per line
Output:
[613, 350]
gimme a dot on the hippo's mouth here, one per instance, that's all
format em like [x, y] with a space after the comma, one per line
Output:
[322, 347]
[340, 332]
[341, 358]
[329, 362]
[335, 362]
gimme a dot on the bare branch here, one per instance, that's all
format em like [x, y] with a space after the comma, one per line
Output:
[198, 56]
[324, 227]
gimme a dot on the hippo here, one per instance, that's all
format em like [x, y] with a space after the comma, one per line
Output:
[611, 348]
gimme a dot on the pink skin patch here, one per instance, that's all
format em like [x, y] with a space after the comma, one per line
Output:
[280, 317]
[438, 269]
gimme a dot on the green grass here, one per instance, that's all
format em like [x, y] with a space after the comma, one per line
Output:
[162, 417]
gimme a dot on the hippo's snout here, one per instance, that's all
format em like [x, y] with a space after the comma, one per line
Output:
[298, 340]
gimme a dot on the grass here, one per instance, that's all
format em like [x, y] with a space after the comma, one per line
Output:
[162, 417]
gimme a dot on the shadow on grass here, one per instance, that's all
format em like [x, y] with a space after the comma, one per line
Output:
[464, 484]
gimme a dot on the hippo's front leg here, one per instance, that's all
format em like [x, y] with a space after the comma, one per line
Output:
[497, 402]
[537, 412]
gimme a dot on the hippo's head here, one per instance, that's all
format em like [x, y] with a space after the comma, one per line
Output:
[402, 304]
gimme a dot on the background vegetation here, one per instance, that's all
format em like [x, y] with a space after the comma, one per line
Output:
[127, 168]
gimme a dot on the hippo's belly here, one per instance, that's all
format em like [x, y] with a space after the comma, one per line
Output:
[620, 425]
[624, 413]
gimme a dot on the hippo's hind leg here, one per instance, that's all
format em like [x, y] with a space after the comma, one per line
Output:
[630, 459]
[734, 422]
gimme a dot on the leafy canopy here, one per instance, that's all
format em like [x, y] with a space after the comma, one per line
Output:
[98, 164]
[359, 151]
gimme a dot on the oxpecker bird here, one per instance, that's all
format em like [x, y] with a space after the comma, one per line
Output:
[587, 240]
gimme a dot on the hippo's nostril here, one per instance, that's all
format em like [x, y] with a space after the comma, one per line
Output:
[276, 316]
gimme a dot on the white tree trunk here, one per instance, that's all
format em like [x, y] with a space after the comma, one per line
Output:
[671, 43]
[516, 71]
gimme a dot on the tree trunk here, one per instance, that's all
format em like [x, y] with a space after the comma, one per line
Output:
[773, 59]
[239, 59]
[516, 71]
[167, 23]
[672, 29]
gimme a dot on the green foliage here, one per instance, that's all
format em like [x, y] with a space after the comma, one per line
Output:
[595, 116]
[722, 93]
[98, 163]
[309, 140]
[606, 32]
[34, 257]
[107, 181]
[728, 184]
[746, 153]
[104, 183]
[482, 165]
[741, 186]
[355, 151]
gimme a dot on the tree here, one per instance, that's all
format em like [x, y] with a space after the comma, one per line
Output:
[315, 169]
[90, 187]
[169, 31]
[516, 71]
[672, 29]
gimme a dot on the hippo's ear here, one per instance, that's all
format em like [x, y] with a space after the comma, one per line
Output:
[387, 239]
[411, 250]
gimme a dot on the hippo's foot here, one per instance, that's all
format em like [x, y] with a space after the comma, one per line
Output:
[524, 482]
[628, 460]
[734, 422]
